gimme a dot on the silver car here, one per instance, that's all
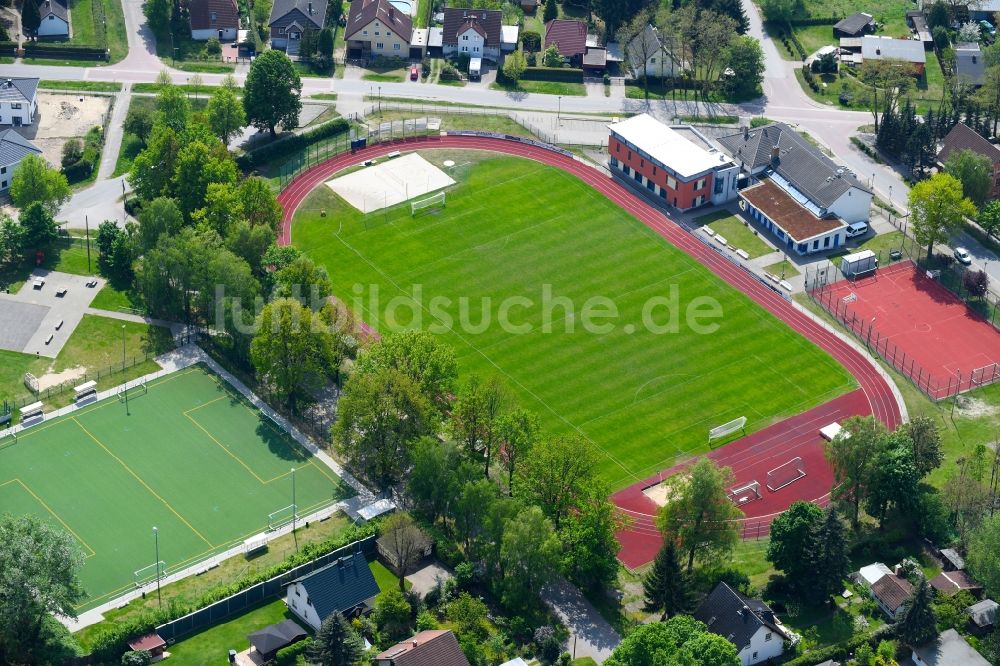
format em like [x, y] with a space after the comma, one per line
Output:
[962, 256]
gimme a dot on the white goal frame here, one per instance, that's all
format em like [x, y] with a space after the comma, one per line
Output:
[138, 576]
[736, 493]
[285, 516]
[428, 202]
[799, 467]
[728, 428]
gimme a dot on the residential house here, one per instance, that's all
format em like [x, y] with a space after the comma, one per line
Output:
[645, 54]
[801, 196]
[983, 615]
[55, 19]
[476, 33]
[867, 575]
[376, 28]
[952, 582]
[344, 586]
[855, 25]
[884, 48]
[671, 165]
[891, 594]
[13, 148]
[917, 20]
[436, 647]
[969, 64]
[18, 99]
[747, 623]
[963, 137]
[214, 18]
[570, 37]
[290, 18]
[949, 649]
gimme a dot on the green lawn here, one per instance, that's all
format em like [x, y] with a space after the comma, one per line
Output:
[782, 268]
[513, 227]
[192, 458]
[88, 86]
[925, 93]
[67, 254]
[880, 244]
[112, 298]
[85, 32]
[211, 647]
[736, 232]
[543, 88]
[386, 579]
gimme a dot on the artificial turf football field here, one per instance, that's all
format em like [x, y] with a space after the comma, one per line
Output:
[509, 227]
[194, 459]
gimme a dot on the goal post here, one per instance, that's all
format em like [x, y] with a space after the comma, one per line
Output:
[284, 516]
[748, 492]
[728, 428]
[434, 201]
[786, 474]
[149, 574]
[135, 389]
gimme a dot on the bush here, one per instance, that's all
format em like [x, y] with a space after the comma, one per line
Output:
[425, 67]
[449, 73]
[136, 658]
[563, 74]
[72, 151]
[291, 144]
[531, 41]
[213, 47]
[290, 655]
[531, 59]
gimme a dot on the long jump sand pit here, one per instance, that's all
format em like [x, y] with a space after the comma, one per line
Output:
[389, 183]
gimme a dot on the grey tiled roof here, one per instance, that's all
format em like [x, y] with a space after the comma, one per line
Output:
[13, 147]
[282, 7]
[734, 617]
[56, 7]
[340, 585]
[14, 89]
[799, 162]
[854, 24]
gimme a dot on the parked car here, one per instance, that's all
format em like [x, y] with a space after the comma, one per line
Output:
[987, 28]
[962, 256]
[414, 73]
[857, 229]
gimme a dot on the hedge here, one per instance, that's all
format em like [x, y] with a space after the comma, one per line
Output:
[112, 643]
[44, 50]
[289, 656]
[818, 20]
[564, 74]
[842, 651]
[286, 146]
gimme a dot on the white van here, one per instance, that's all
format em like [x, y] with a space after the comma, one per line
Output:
[857, 229]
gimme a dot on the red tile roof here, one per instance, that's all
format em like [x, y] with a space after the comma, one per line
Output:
[226, 14]
[797, 220]
[569, 36]
[437, 647]
[962, 137]
[950, 582]
[892, 591]
[150, 641]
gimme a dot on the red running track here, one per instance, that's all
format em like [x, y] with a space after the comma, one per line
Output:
[750, 458]
[873, 387]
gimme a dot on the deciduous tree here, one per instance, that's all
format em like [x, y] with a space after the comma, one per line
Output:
[34, 181]
[984, 544]
[937, 206]
[159, 216]
[404, 542]
[589, 547]
[39, 229]
[745, 58]
[514, 65]
[158, 15]
[197, 167]
[974, 171]
[529, 557]
[887, 80]
[555, 475]
[421, 357]
[259, 206]
[226, 116]
[679, 640]
[851, 454]
[271, 95]
[517, 430]
[172, 108]
[616, 12]
[475, 417]
[31, 18]
[392, 614]
[700, 517]
[925, 440]
[793, 542]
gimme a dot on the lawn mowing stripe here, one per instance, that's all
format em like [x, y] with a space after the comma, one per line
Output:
[144, 484]
[223, 446]
[54, 514]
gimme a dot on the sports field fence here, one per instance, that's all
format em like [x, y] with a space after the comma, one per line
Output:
[91, 375]
[841, 309]
[256, 594]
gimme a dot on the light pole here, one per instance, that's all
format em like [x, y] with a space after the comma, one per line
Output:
[559, 110]
[123, 371]
[294, 511]
[156, 538]
[380, 100]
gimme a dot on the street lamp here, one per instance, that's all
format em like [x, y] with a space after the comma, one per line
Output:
[380, 100]
[294, 512]
[559, 110]
[123, 371]
[156, 538]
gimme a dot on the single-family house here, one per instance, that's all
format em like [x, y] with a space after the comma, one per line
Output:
[963, 137]
[214, 18]
[917, 20]
[867, 575]
[435, 647]
[952, 582]
[969, 64]
[646, 54]
[344, 586]
[570, 37]
[884, 48]
[18, 99]
[290, 18]
[476, 33]
[671, 165]
[855, 25]
[376, 28]
[13, 148]
[948, 649]
[797, 193]
[270, 639]
[983, 615]
[55, 19]
[891, 593]
[749, 624]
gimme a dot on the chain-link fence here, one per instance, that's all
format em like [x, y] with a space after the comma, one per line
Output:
[101, 374]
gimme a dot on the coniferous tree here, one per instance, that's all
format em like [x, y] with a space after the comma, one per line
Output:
[919, 622]
[830, 560]
[336, 644]
[666, 584]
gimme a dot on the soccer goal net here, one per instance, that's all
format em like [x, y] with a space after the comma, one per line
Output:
[149, 574]
[278, 519]
[786, 474]
[728, 428]
[748, 492]
[433, 201]
[134, 389]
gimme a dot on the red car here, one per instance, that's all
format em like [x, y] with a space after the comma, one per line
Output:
[414, 74]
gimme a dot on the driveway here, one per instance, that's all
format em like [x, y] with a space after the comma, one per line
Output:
[590, 635]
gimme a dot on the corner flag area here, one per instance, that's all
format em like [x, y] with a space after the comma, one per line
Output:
[192, 457]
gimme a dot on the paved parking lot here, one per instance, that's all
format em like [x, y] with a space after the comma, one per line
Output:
[28, 317]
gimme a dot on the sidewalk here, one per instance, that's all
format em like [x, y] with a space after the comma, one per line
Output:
[590, 635]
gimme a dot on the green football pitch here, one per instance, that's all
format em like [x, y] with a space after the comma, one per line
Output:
[194, 458]
[512, 226]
